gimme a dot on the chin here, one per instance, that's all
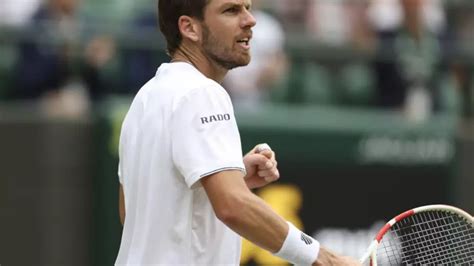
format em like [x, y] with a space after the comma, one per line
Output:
[230, 67]
[231, 63]
[241, 62]
[234, 64]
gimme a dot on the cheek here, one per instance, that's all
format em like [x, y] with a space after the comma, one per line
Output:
[225, 30]
[223, 40]
[223, 33]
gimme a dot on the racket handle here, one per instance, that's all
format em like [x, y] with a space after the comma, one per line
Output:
[372, 248]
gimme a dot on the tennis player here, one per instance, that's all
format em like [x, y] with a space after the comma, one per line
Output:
[185, 187]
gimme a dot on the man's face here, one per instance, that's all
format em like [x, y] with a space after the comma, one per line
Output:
[226, 32]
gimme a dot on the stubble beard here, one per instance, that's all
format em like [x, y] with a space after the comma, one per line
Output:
[220, 54]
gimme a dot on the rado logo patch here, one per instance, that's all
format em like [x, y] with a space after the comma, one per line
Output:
[215, 118]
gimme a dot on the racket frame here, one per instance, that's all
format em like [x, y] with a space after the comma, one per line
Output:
[371, 252]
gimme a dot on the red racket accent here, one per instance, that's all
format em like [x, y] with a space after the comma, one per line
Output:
[382, 232]
[388, 225]
[404, 215]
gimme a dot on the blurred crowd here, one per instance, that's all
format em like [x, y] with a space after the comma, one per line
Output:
[416, 56]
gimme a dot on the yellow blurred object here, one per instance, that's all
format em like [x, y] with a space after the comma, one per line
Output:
[286, 200]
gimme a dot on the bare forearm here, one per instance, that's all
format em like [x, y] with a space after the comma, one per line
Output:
[258, 223]
[244, 212]
[250, 217]
[121, 205]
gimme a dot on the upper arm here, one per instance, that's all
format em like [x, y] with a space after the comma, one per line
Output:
[225, 190]
[205, 137]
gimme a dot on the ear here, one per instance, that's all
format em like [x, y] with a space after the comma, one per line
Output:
[189, 28]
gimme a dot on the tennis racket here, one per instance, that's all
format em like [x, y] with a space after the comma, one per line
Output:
[427, 235]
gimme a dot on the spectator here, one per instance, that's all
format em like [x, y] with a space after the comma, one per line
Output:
[291, 13]
[339, 23]
[142, 61]
[464, 36]
[388, 15]
[51, 47]
[409, 58]
[251, 85]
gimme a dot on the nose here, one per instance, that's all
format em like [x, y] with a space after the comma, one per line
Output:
[249, 20]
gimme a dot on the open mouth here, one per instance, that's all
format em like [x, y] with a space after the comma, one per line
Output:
[244, 41]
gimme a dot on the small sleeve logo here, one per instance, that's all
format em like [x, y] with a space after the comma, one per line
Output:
[214, 118]
[306, 239]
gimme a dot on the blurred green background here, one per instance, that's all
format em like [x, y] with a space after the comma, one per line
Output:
[339, 111]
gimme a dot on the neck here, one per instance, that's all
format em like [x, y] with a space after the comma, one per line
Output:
[204, 64]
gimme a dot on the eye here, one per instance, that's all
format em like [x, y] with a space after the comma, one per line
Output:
[231, 10]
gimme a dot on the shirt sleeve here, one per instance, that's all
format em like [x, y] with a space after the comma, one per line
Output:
[119, 173]
[205, 137]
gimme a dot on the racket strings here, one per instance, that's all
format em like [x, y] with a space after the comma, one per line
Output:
[433, 243]
[434, 237]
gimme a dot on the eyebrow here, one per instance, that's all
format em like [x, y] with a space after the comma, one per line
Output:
[246, 4]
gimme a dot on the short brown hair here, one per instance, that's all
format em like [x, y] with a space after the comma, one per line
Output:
[170, 11]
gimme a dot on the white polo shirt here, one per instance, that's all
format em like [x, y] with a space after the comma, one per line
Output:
[180, 128]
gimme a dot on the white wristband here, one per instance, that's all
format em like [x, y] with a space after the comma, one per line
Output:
[299, 248]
